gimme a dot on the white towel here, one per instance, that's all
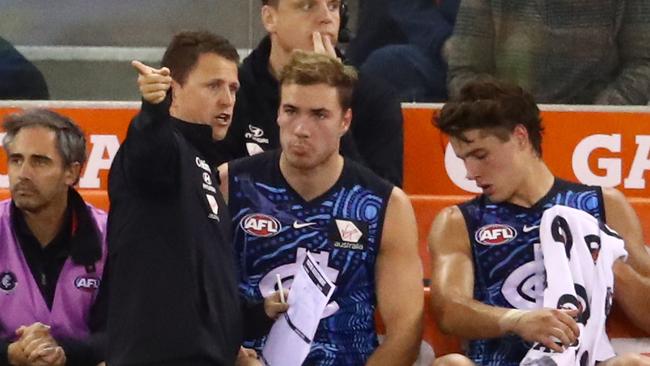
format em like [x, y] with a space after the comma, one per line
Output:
[579, 252]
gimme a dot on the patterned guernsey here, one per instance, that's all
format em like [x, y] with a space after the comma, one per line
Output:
[508, 270]
[273, 226]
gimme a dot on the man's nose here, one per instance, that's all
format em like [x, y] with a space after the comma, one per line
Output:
[227, 97]
[300, 128]
[471, 171]
[325, 15]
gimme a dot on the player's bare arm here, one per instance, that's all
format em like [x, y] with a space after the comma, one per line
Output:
[632, 278]
[456, 310]
[398, 277]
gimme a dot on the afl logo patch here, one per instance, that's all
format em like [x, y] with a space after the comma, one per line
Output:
[495, 234]
[86, 283]
[8, 281]
[261, 225]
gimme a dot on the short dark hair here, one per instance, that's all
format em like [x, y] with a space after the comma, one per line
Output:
[270, 2]
[493, 105]
[311, 68]
[70, 139]
[186, 47]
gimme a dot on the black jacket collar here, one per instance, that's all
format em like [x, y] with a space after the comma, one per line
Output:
[80, 229]
[200, 137]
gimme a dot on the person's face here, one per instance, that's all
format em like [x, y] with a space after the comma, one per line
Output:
[208, 94]
[292, 22]
[497, 166]
[38, 178]
[311, 122]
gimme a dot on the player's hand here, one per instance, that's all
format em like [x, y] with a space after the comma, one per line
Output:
[546, 326]
[39, 347]
[323, 44]
[247, 357]
[273, 307]
[16, 355]
[153, 83]
[47, 355]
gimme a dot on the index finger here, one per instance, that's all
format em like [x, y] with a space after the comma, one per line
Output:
[141, 68]
[317, 40]
[329, 46]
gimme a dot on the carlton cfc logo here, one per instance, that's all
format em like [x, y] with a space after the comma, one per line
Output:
[495, 234]
[260, 225]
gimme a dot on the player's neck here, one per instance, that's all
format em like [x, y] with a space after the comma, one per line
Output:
[277, 59]
[535, 185]
[312, 182]
[46, 223]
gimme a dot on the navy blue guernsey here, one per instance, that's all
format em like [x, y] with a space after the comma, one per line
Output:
[507, 270]
[273, 226]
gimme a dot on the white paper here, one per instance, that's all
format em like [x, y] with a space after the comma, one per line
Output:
[290, 338]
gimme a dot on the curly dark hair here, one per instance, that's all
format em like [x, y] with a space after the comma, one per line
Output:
[493, 105]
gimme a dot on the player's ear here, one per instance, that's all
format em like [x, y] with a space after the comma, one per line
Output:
[520, 134]
[269, 18]
[346, 121]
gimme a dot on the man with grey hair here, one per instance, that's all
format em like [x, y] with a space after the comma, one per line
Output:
[52, 247]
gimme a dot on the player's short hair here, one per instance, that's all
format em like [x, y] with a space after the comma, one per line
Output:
[310, 68]
[185, 48]
[270, 2]
[495, 106]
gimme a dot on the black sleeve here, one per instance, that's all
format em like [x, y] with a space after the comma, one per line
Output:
[256, 323]
[377, 129]
[77, 352]
[4, 353]
[150, 151]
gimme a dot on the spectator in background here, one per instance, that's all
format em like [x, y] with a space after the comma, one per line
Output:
[406, 44]
[19, 78]
[572, 52]
[375, 138]
[52, 247]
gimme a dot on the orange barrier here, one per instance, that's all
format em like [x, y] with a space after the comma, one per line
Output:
[606, 146]
[426, 208]
[105, 124]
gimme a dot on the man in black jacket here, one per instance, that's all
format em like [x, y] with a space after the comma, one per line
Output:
[375, 138]
[172, 285]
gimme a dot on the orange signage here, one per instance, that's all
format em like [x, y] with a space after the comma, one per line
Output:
[105, 127]
[593, 145]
